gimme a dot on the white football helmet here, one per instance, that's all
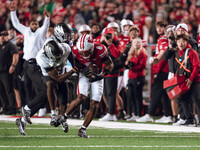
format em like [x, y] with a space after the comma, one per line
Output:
[123, 23]
[63, 32]
[85, 45]
[53, 51]
[83, 28]
[114, 25]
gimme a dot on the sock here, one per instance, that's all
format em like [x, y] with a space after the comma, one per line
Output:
[53, 112]
[66, 116]
[83, 127]
[175, 118]
[27, 108]
[23, 120]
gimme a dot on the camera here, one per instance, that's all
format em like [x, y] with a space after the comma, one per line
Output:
[172, 38]
[108, 36]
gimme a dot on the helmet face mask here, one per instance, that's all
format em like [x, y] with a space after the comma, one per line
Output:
[87, 54]
[53, 51]
[85, 46]
[62, 32]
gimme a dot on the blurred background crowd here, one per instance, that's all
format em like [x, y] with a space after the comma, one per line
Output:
[79, 12]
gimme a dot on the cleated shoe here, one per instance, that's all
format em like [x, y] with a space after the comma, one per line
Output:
[62, 121]
[26, 115]
[82, 133]
[64, 124]
[53, 121]
[21, 125]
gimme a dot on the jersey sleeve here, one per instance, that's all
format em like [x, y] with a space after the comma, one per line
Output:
[15, 21]
[42, 60]
[103, 53]
[74, 51]
[163, 44]
[13, 49]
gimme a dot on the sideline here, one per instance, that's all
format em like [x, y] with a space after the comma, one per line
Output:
[115, 125]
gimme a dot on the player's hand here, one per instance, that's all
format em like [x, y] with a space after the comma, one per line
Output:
[95, 77]
[78, 65]
[105, 71]
[87, 72]
[11, 69]
[131, 64]
[188, 82]
[45, 12]
[151, 60]
[12, 6]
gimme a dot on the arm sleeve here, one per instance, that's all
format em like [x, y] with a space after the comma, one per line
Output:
[168, 53]
[194, 59]
[45, 26]
[124, 55]
[15, 21]
[13, 49]
[71, 59]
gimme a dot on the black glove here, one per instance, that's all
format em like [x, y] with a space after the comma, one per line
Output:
[87, 72]
[124, 55]
[79, 65]
[105, 71]
[104, 43]
[131, 64]
[95, 77]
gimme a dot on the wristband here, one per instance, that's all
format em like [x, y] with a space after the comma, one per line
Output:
[13, 65]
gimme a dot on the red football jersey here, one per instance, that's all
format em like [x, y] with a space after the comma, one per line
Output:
[123, 41]
[162, 44]
[198, 39]
[100, 52]
[97, 39]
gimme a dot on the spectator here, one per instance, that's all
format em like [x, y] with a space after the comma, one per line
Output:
[136, 62]
[87, 13]
[110, 81]
[191, 77]
[160, 73]
[96, 33]
[32, 45]
[9, 59]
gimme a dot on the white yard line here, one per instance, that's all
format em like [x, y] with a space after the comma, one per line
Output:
[96, 136]
[115, 125]
[103, 146]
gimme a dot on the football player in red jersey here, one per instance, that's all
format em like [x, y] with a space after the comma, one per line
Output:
[91, 56]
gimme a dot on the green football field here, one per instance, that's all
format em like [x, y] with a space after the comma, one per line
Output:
[39, 136]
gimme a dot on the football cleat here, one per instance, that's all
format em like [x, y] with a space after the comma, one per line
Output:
[26, 115]
[21, 125]
[82, 133]
[53, 121]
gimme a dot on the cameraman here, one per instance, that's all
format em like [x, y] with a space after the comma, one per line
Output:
[181, 29]
[170, 55]
[110, 81]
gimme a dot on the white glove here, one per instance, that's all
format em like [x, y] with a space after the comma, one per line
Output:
[151, 59]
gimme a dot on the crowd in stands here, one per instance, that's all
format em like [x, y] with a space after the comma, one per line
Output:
[78, 12]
